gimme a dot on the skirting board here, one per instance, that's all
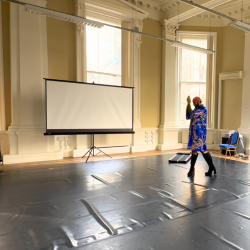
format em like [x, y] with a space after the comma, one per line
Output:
[22, 158]
[162, 147]
[109, 151]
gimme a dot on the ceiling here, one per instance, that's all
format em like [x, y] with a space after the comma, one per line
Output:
[185, 14]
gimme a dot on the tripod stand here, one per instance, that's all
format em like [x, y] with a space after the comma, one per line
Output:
[92, 150]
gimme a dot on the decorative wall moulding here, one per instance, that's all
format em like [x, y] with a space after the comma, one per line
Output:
[235, 23]
[147, 4]
[195, 11]
[236, 75]
[168, 5]
[134, 7]
[107, 10]
[154, 9]
[169, 28]
[114, 11]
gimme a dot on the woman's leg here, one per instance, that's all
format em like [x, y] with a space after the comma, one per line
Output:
[209, 160]
[193, 161]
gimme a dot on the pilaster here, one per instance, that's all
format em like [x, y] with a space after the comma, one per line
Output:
[29, 65]
[135, 48]
[2, 98]
[4, 142]
[168, 129]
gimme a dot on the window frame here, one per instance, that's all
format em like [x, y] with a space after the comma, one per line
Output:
[211, 73]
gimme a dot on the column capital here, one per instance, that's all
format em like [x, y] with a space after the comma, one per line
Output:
[136, 23]
[169, 28]
[137, 37]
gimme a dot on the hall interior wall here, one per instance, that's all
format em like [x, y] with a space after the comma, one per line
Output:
[62, 65]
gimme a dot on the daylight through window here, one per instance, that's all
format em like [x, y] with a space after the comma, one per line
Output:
[103, 55]
[192, 74]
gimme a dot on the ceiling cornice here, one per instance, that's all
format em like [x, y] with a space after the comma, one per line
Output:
[232, 10]
[167, 9]
[173, 16]
[134, 7]
[110, 11]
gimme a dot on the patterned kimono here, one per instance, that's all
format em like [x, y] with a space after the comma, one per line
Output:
[197, 129]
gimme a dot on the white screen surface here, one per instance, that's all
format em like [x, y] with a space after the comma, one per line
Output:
[80, 107]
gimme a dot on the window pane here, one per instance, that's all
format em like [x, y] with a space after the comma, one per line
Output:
[193, 64]
[104, 79]
[192, 89]
[92, 48]
[103, 53]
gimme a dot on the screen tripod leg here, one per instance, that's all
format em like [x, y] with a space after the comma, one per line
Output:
[90, 151]
[103, 152]
[87, 152]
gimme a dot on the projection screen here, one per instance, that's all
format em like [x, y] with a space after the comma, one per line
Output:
[84, 108]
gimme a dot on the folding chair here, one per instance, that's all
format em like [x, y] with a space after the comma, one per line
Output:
[232, 146]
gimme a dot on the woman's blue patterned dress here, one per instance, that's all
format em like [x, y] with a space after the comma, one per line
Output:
[197, 129]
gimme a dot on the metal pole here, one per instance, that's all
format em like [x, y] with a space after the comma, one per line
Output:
[93, 145]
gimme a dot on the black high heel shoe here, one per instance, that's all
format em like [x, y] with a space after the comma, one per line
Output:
[191, 173]
[191, 170]
[209, 160]
[210, 173]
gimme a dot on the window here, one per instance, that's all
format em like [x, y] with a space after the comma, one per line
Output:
[103, 48]
[194, 73]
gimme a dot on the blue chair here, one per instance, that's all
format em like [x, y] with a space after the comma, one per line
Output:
[231, 147]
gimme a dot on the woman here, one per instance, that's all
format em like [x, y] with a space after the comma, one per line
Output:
[198, 135]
